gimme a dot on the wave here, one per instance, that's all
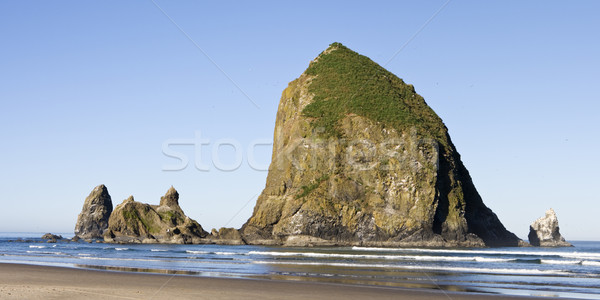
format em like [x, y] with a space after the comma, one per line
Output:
[591, 263]
[575, 254]
[196, 252]
[529, 261]
[214, 253]
[37, 246]
[387, 257]
[505, 271]
[158, 250]
[228, 253]
[46, 252]
[561, 262]
[121, 249]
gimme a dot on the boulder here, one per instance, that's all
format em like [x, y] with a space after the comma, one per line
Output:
[93, 219]
[544, 232]
[51, 238]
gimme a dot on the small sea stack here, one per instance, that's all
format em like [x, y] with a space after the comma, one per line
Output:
[93, 219]
[544, 232]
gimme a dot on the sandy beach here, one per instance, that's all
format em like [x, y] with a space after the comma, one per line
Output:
[41, 282]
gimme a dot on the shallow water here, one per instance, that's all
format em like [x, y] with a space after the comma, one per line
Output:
[553, 272]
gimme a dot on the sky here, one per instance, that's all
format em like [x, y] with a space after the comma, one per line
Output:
[108, 92]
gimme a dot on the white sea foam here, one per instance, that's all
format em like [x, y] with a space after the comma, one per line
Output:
[158, 250]
[121, 249]
[431, 268]
[385, 257]
[574, 254]
[591, 263]
[560, 262]
[489, 259]
[46, 252]
[228, 253]
[581, 255]
[196, 252]
[37, 246]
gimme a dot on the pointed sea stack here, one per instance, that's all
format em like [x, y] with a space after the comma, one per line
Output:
[135, 222]
[359, 158]
[544, 232]
[93, 219]
[170, 199]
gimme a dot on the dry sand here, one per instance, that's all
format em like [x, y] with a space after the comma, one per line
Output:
[41, 282]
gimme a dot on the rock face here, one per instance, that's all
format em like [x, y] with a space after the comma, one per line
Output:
[544, 232]
[227, 236]
[135, 222]
[360, 159]
[93, 219]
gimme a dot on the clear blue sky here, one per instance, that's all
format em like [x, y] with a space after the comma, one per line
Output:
[90, 91]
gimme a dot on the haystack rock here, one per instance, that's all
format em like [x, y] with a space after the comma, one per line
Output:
[544, 232]
[359, 158]
[135, 222]
[93, 219]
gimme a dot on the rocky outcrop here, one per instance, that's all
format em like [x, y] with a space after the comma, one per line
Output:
[360, 159]
[544, 232]
[51, 238]
[227, 236]
[93, 219]
[135, 222]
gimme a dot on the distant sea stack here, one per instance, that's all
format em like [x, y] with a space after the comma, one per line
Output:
[93, 219]
[135, 222]
[544, 232]
[359, 158]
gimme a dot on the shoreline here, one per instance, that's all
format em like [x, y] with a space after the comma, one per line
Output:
[23, 281]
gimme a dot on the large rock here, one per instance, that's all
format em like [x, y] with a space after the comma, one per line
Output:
[135, 222]
[93, 219]
[360, 159]
[51, 238]
[227, 236]
[544, 232]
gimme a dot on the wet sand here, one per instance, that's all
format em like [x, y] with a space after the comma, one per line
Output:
[19, 281]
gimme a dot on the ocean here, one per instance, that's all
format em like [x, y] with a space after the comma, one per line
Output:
[550, 272]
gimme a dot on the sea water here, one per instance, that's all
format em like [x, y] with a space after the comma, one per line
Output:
[554, 272]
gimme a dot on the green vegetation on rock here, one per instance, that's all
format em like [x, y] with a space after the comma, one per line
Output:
[306, 189]
[134, 222]
[346, 82]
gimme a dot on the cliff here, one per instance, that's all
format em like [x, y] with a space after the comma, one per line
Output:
[93, 219]
[359, 158]
[135, 222]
